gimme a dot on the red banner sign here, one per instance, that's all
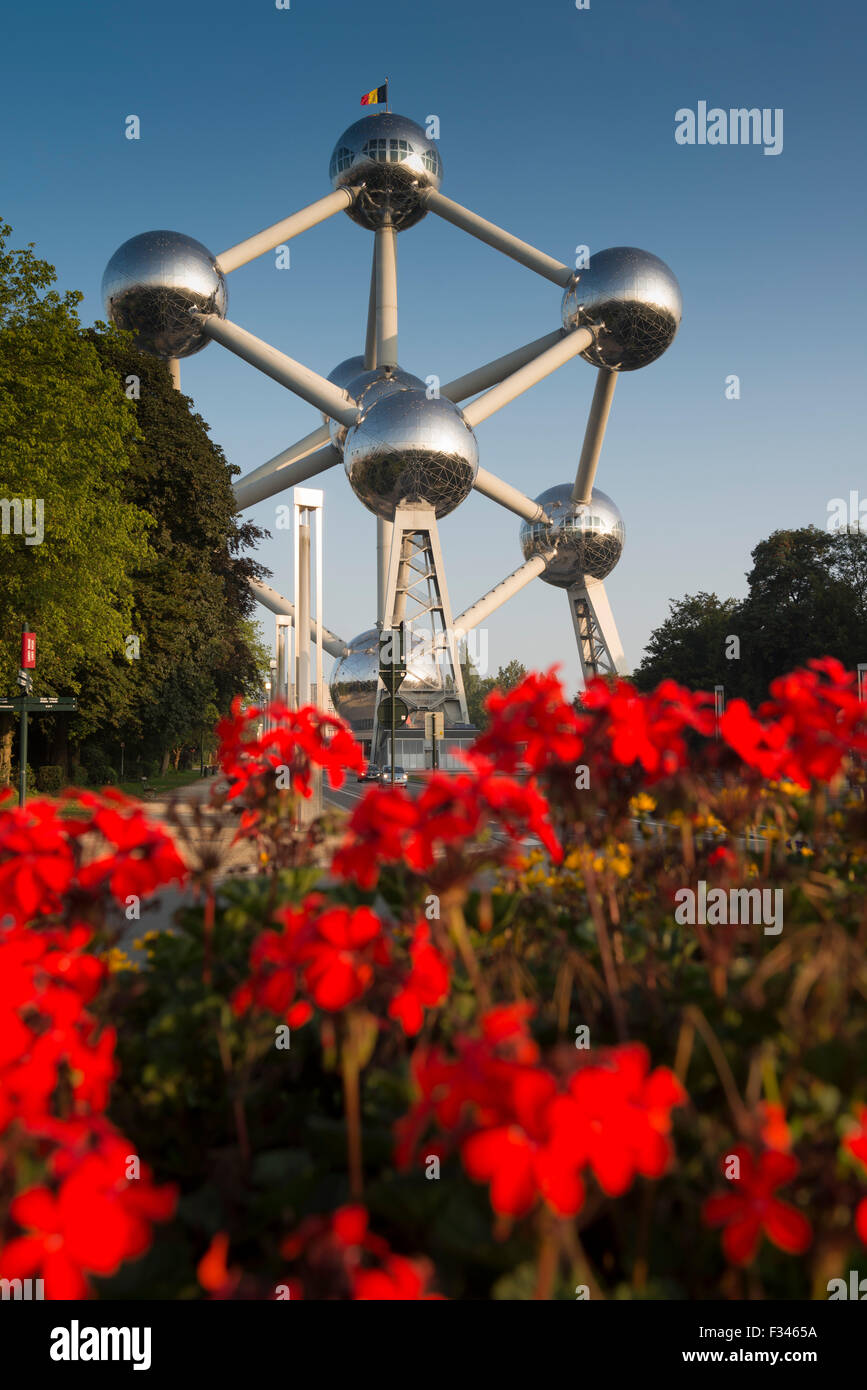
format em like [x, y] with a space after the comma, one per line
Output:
[28, 650]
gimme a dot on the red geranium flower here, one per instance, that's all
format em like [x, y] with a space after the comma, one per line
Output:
[97, 1219]
[750, 1209]
[338, 957]
[625, 1116]
[36, 861]
[426, 985]
[861, 1220]
[856, 1140]
[532, 725]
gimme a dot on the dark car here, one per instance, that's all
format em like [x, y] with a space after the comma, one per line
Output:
[370, 773]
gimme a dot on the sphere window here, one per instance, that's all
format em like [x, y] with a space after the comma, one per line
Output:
[340, 160]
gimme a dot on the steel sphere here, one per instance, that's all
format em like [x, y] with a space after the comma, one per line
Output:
[636, 299]
[355, 679]
[406, 448]
[393, 160]
[367, 386]
[588, 538]
[153, 281]
[341, 375]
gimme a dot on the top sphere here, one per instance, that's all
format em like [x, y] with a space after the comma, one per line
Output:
[393, 159]
[634, 297]
[153, 281]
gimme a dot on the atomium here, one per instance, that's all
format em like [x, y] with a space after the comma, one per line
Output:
[587, 536]
[355, 678]
[411, 459]
[634, 297]
[407, 449]
[392, 160]
[153, 281]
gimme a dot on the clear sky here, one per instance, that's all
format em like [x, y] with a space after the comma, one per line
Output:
[558, 124]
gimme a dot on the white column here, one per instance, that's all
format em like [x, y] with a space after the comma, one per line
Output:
[483, 377]
[290, 227]
[506, 589]
[384, 312]
[507, 496]
[310, 456]
[276, 603]
[603, 395]
[495, 236]
[307, 384]
[569, 346]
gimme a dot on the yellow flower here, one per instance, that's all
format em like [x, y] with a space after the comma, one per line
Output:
[642, 804]
[117, 960]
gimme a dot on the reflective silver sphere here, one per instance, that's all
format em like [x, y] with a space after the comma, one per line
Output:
[406, 448]
[588, 539]
[355, 679]
[341, 375]
[153, 281]
[635, 297]
[392, 158]
[366, 387]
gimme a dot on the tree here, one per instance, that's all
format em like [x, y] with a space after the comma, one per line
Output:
[195, 645]
[807, 597]
[690, 646]
[478, 688]
[803, 602]
[66, 436]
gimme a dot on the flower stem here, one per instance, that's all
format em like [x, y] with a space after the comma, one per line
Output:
[548, 1258]
[352, 1110]
[458, 927]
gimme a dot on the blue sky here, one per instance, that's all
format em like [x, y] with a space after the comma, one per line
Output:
[556, 123]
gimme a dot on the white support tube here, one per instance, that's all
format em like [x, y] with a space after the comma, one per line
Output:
[507, 496]
[175, 372]
[495, 236]
[493, 372]
[290, 227]
[603, 395]
[529, 375]
[276, 603]
[311, 455]
[386, 296]
[370, 337]
[293, 375]
[506, 589]
[383, 345]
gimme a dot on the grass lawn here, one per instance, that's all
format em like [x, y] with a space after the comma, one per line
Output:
[171, 782]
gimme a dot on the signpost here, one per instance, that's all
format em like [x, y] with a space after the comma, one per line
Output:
[392, 671]
[433, 732]
[27, 703]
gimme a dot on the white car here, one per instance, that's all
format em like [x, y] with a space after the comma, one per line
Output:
[400, 777]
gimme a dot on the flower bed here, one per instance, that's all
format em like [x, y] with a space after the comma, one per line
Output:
[491, 1054]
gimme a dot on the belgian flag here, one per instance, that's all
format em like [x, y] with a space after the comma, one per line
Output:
[377, 97]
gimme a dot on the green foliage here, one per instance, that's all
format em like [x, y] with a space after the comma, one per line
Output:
[66, 434]
[49, 778]
[690, 644]
[807, 598]
[197, 644]
[478, 688]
